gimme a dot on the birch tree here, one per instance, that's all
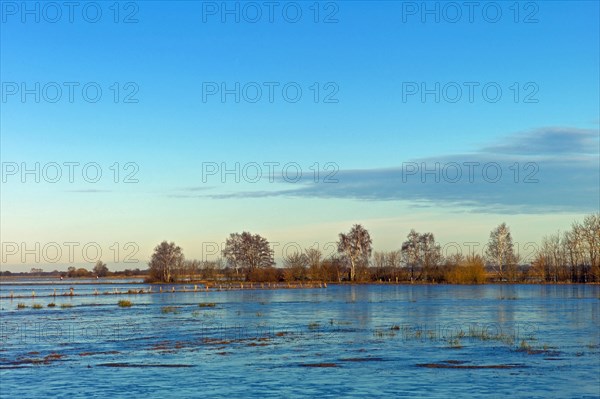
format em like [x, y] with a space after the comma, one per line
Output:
[500, 252]
[166, 261]
[356, 247]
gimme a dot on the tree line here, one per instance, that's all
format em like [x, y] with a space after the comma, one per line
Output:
[100, 269]
[571, 256]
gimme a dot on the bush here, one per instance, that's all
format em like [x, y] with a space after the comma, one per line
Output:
[469, 271]
[123, 303]
[265, 275]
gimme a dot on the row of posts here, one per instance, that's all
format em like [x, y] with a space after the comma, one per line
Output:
[116, 290]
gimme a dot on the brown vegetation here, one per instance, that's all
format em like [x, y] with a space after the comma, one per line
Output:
[573, 256]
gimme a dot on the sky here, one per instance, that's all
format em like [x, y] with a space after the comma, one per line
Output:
[123, 124]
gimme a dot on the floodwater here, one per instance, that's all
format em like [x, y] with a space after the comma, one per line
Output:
[367, 341]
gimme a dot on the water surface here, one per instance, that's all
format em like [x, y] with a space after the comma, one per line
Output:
[491, 341]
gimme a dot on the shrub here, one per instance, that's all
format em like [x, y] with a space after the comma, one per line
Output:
[469, 271]
[123, 303]
[265, 275]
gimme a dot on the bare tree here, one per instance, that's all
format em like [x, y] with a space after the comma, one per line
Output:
[332, 268]
[394, 260]
[100, 269]
[590, 232]
[380, 262]
[166, 262]
[432, 256]
[410, 252]
[296, 265]
[550, 258]
[313, 257]
[191, 268]
[500, 252]
[571, 246]
[210, 269]
[248, 251]
[356, 247]
[421, 253]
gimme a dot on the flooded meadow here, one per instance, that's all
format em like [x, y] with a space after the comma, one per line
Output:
[436, 341]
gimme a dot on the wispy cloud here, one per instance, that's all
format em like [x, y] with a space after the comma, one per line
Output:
[89, 190]
[549, 141]
[545, 170]
[197, 188]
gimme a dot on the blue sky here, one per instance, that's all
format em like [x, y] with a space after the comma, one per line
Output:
[365, 124]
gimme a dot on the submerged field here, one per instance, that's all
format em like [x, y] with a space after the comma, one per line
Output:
[341, 341]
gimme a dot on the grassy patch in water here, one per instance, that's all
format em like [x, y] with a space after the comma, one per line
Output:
[525, 347]
[319, 365]
[379, 333]
[133, 365]
[444, 365]
[124, 303]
